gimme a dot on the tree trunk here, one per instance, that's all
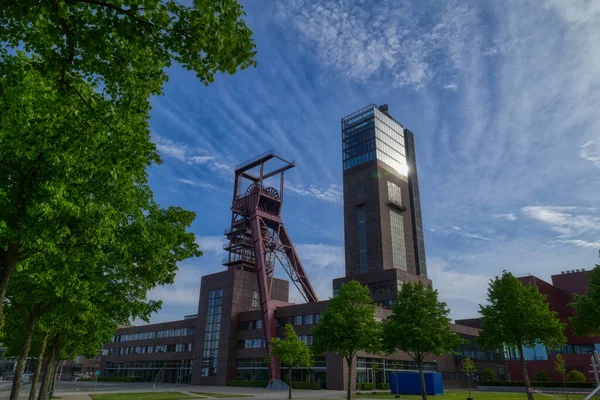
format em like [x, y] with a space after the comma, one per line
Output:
[45, 388]
[8, 262]
[16, 385]
[525, 374]
[53, 381]
[422, 375]
[290, 379]
[349, 362]
[38, 368]
[469, 383]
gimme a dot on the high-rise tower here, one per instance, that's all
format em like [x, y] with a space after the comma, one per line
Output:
[382, 212]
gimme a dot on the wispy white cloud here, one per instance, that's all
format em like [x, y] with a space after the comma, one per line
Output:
[590, 151]
[453, 87]
[459, 231]
[565, 220]
[198, 184]
[320, 256]
[506, 216]
[331, 193]
[388, 41]
[582, 243]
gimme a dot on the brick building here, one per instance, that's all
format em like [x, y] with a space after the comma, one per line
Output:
[229, 337]
[577, 351]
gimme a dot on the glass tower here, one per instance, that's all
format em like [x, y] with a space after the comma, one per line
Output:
[382, 211]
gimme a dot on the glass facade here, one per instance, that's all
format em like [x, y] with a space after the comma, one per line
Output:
[415, 204]
[172, 371]
[155, 335]
[394, 193]
[255, 369]
[398, 245]
[369, 134]
[365, 371]
[211, 333]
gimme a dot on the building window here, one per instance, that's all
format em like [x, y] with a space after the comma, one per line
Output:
[394, 194]
[317, 318]
[211, 333]
[255, 300]
[308, 319]
[398, 245]
[362, 241]
[298, 320]
[360, 193]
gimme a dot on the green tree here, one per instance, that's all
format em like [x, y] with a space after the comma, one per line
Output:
[113, 282]
[576, 376]
[561, 367]
[468, 368]
[542, 376]
[489, 375]
[348, 326]
[292, 352]
[419, 325]
[74, 107]
[586, 307]
[518, 316]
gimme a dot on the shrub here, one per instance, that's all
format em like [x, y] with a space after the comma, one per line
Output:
[245, 383]
[383, 386]
[306, 385]
[575, 376]
[369, 386]
[542, 376]
[489, 375]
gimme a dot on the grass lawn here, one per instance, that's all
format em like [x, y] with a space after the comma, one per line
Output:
[144, 396]
[463, 394]
[222, 395]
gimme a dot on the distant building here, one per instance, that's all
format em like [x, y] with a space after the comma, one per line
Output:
[577, 351]
[241, 308]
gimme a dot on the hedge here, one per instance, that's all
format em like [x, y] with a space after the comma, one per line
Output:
[383, 386]
[582, 385]
[306, 385]
[118, 379]
[263, 384]
[365, 386]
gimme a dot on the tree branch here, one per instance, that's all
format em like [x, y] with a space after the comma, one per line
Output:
[70, 45]
[118, 9]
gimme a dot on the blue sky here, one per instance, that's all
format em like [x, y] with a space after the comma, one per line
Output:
[503, 98]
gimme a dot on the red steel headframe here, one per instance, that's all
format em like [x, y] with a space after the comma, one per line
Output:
[258, 239]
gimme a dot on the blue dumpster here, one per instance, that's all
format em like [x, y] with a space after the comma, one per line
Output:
[410, 383]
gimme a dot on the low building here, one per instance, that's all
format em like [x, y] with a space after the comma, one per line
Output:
[576, 352]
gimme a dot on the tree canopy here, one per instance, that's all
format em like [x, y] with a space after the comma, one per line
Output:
[348, 325]
[518, 316]
[419, 325]
[292, 352]
[586, 307]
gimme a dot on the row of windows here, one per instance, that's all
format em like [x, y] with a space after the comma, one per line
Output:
[398, 166]
[244, 326]
[148, 364]
[359, 149]
[358, 137]
[358, 160]
[307, 319]
[393, 365]
[318, 362]
[389, 127]
[348, 121]
[155, 335]
[572, 349]
[353, 131]
[386, 120]
[398, 244]
[251, 343]
[388, 150]
[164, 348]
[394, 141]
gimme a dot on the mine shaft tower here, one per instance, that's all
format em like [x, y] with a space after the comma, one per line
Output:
[258, 239]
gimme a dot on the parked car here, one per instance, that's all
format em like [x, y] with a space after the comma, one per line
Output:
[26, 378]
